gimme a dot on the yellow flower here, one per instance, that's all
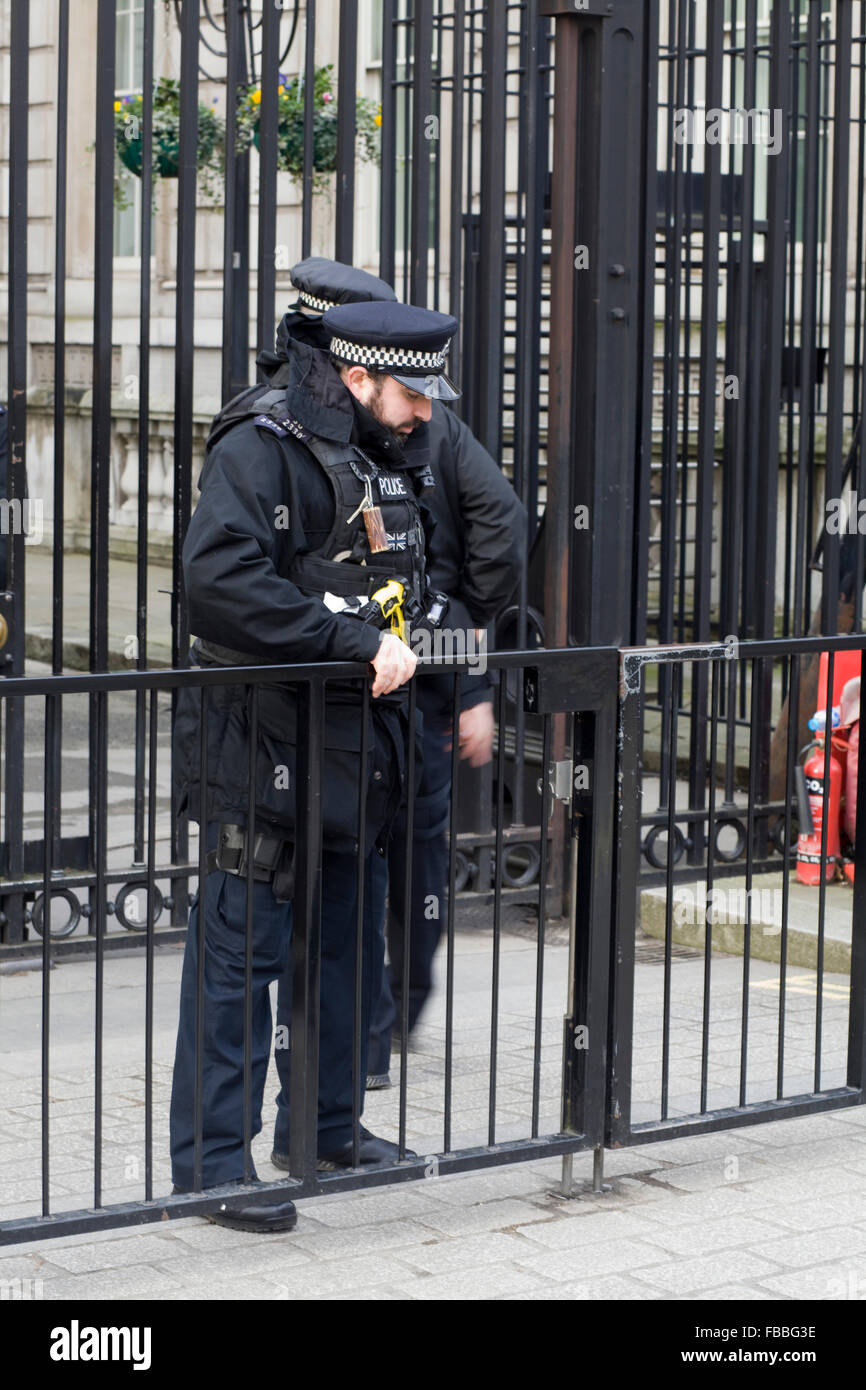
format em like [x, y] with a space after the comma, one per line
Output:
[280, 90]
[117, 105]
[377, 120]
[256, 97]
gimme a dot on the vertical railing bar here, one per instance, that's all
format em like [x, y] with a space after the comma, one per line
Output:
[251, 699]
[388, 184]
[60, 198]
[344, 238]
[50, 735]
[838, 306]
[309, 131]
[153, 749]
[184, 361]
[143, 418]
[307, 931]
[408, 98]
[855, 1070]
[672, 336]
[706, 437]
[711, 865]
[808, 297]
[675, 690]
[456, 171]
[497, 904]
[358, 1078]
[198, 1092]
[686, 354]
[185, 318]
[235, 57]
[452, 879]
[750, 836]
[407, 911]
[822, 882]
[267, 209]
[790, 756]
[543, 859]
[422, 105]
[100, 850]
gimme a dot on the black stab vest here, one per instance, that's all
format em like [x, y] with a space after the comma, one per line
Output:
[344, 564]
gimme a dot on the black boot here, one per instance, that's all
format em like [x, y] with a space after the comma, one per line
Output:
[371, 1150]
[242, 1213]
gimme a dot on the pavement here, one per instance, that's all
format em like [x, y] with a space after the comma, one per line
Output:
[773, 1211]
[122, 610]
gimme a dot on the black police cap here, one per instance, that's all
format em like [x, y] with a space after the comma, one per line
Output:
[403, 340]
[322, 284]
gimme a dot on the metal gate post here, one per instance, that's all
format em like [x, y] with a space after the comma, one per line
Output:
[596, 216]
[592, 700]
[595, 322]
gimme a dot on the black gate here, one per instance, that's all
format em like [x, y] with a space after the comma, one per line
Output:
[649, 217]
[536, 1055]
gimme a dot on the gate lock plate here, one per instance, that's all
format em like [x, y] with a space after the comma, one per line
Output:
[559, 780]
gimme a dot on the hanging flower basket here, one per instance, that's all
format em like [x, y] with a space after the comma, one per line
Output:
[128, 115]
[290, 125]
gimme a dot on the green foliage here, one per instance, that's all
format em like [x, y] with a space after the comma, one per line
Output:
[290, 116]
[128, 120]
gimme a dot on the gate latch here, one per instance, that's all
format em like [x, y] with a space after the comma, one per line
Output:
[559, 778]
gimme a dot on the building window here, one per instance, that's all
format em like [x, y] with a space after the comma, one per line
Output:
[129, 63]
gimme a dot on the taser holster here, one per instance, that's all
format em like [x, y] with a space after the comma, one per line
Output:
[273, 859]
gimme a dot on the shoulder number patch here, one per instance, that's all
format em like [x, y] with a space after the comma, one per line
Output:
[283, 426]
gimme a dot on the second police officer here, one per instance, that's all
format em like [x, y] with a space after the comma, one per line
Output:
[309, 502]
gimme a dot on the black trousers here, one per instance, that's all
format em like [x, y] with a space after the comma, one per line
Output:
[223, 1050]
[428, 898]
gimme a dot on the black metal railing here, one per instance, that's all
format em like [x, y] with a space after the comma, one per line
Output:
[555, 1089]
[731, 875]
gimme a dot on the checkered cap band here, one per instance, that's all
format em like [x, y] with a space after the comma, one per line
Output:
[313, 303]
[404, 358]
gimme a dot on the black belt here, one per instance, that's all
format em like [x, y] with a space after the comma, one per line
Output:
[273, 859]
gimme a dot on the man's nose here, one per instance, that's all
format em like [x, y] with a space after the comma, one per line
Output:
[424, 408]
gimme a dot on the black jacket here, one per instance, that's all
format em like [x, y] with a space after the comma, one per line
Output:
[235, 564]
[479, 543]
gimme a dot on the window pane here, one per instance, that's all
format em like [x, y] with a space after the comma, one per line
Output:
[124, 66]
[376, 31]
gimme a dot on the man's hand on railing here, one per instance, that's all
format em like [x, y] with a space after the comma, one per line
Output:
[475, 735]
[394, 664]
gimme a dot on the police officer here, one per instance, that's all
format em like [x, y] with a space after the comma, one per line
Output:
[298, 487]
[478, 548]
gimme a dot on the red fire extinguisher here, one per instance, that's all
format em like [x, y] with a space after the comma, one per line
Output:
[809, 844]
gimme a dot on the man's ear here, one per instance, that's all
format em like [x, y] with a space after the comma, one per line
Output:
[354, 377]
